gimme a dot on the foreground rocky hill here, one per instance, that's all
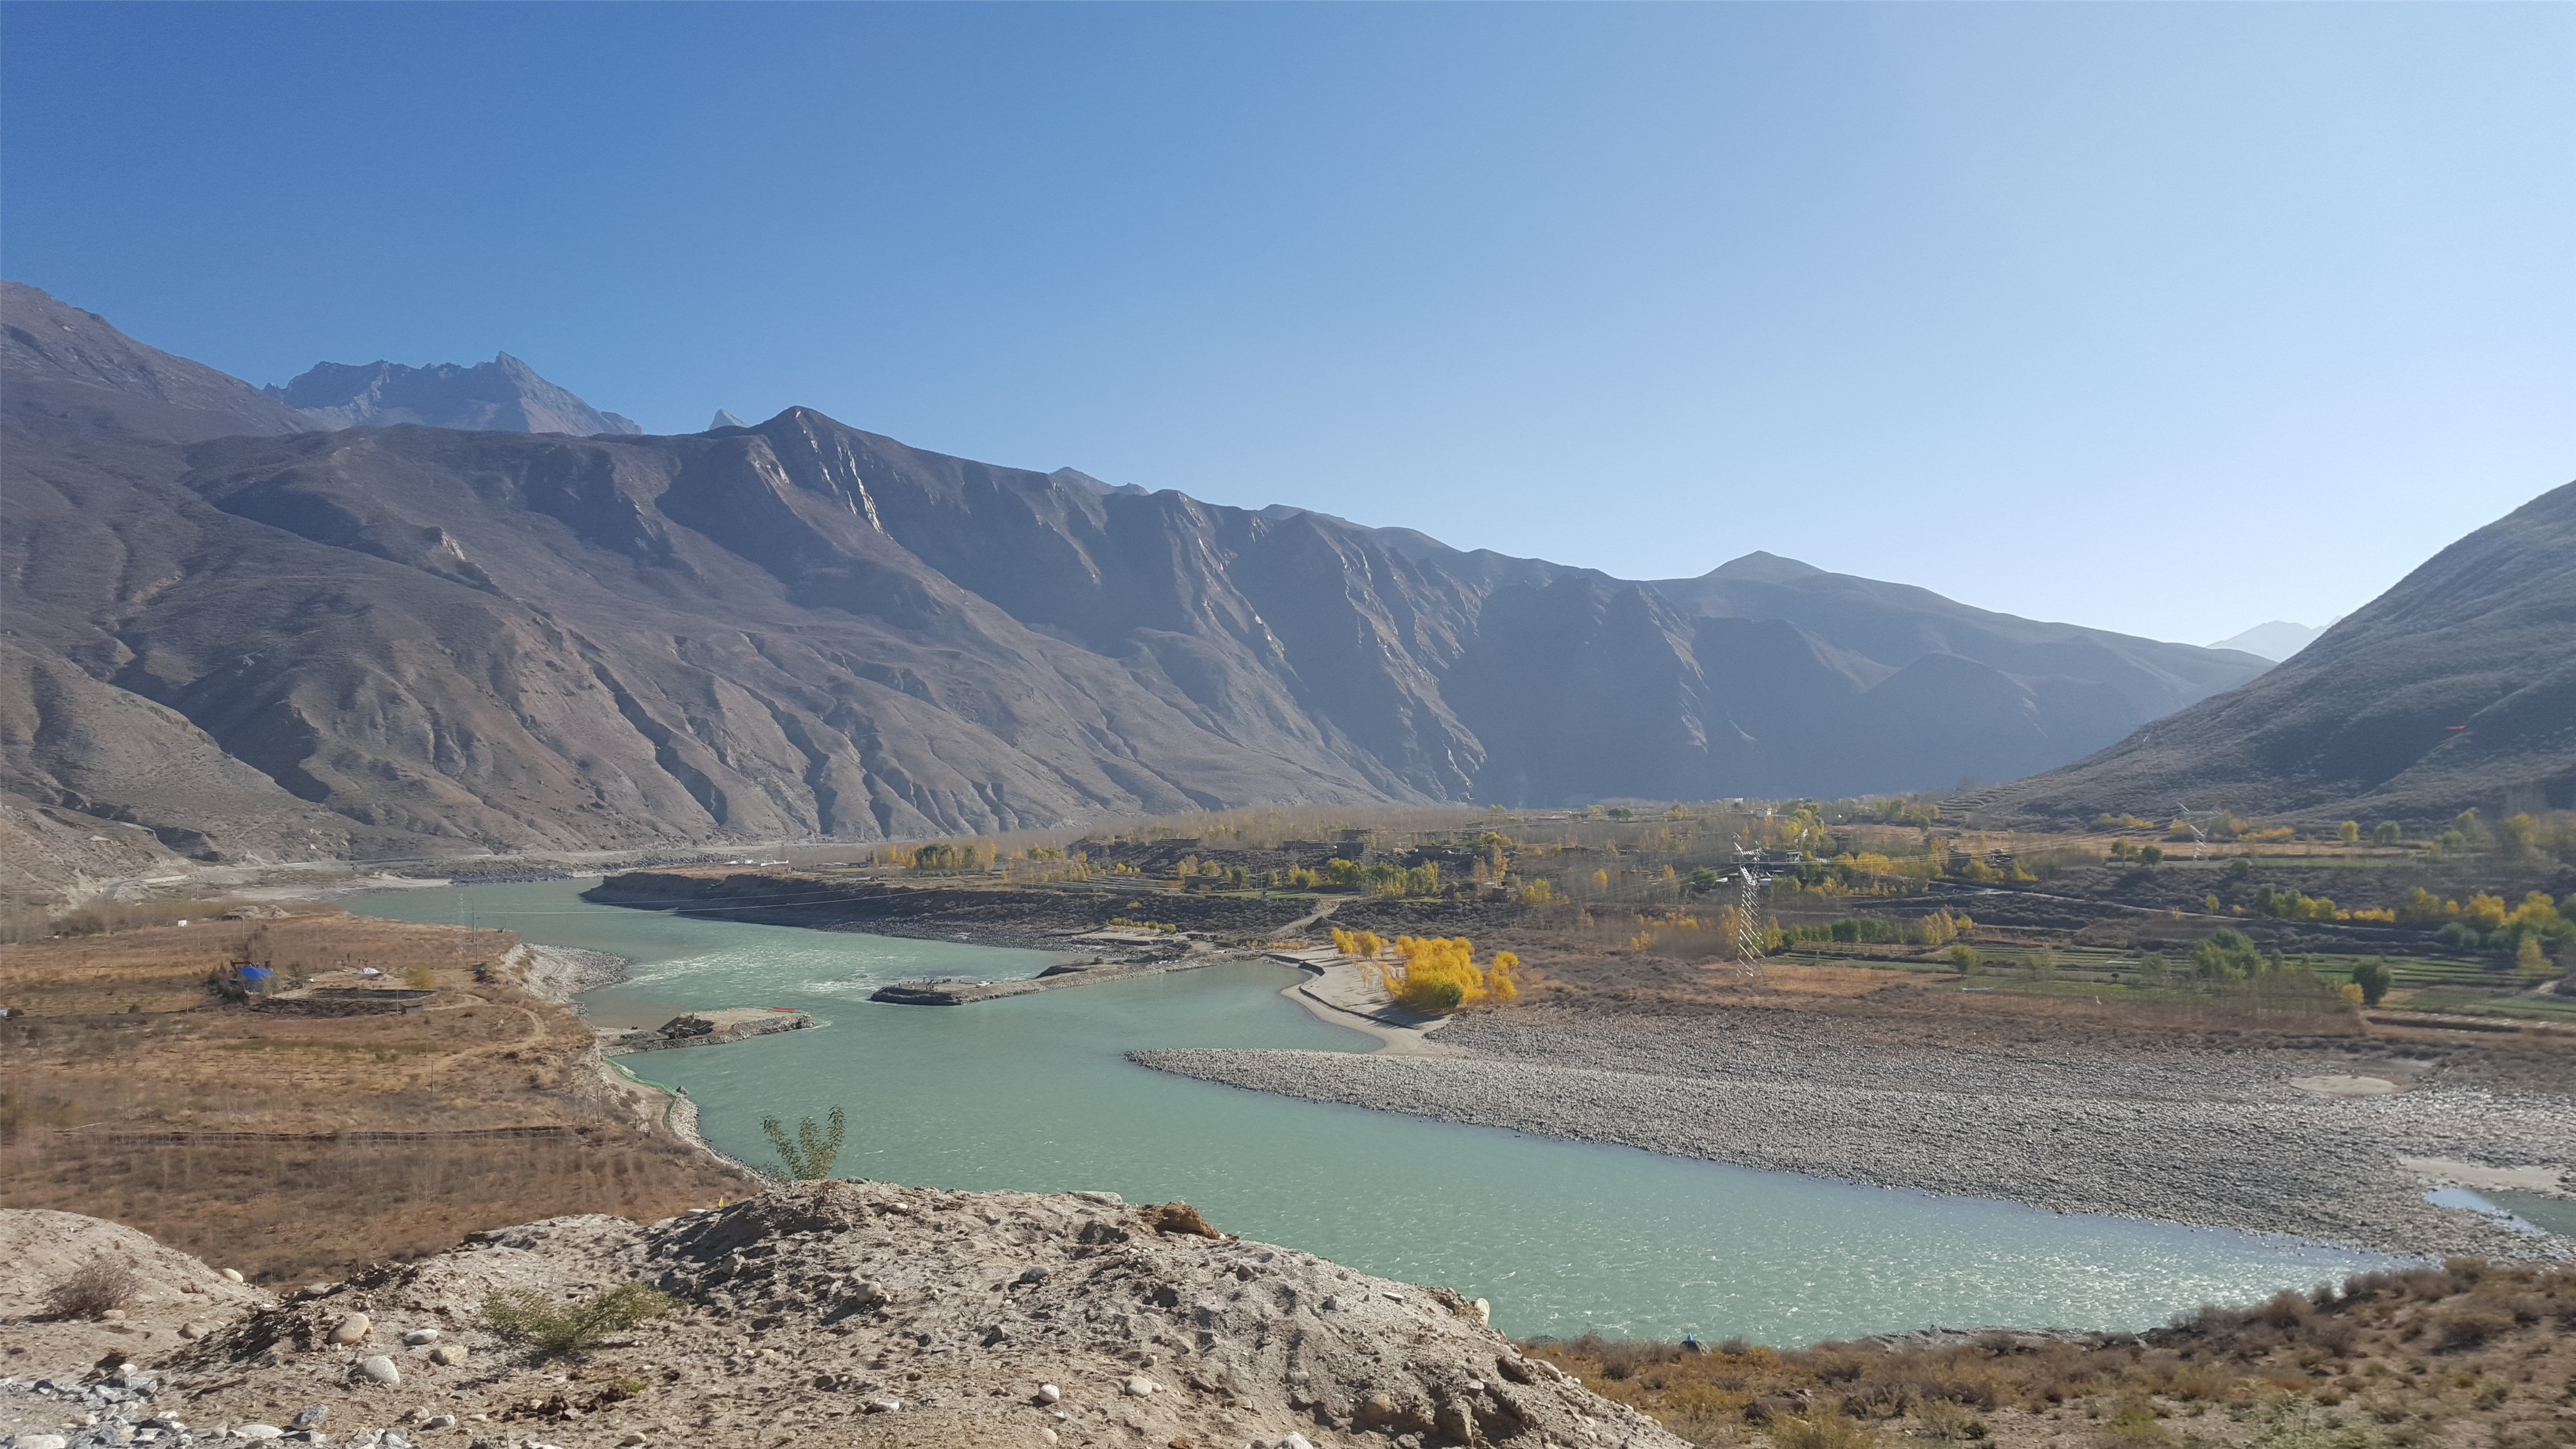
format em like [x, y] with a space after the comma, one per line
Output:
[410, 641]
[2455, 689]
[929, 1318]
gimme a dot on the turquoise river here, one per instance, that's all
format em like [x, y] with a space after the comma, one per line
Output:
[1034, 1092]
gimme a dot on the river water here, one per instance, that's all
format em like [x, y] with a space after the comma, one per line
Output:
[1033, 1092]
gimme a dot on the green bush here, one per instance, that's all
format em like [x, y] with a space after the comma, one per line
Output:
[537, 1320]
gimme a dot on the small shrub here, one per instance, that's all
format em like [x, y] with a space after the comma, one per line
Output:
[1948, 1419]
[807, 1156]
[2470, 1327]
[534, 1319]
[92, 1289]
[2287, 1309]
[1821, 1431]
[2135, 1425]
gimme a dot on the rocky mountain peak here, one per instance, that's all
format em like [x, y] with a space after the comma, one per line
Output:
[504, 395]
[1764, 568]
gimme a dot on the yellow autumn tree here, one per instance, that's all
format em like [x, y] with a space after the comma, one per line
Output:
[1438, 974]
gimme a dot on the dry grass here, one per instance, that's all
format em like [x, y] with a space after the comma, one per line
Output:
[93, 1290]
[295, 1146]
[2467, 1356]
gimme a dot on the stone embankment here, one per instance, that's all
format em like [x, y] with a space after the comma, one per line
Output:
[2184, 1132]
[708, 1028]
[933, 1318]
[1054, 978]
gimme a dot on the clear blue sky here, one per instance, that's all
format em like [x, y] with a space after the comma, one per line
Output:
[2171, 319]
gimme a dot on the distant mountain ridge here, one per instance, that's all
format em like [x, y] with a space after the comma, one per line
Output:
[503, 395]
[2276, 641]
[265, 641]
[2454, 689]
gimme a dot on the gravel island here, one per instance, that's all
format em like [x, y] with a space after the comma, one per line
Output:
[2170, 1127]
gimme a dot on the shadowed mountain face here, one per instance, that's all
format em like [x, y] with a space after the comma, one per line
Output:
[504, 395]
[412, 641]
[2456, 688]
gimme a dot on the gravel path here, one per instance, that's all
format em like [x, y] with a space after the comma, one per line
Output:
[2182, 1131]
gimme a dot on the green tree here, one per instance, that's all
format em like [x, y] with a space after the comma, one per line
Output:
[2373, 977]
[2349, 832]
[2152, 855]
[808, 1155]
[2533, 963]
[1968, 959]
[2388, 833]
[533, 1318]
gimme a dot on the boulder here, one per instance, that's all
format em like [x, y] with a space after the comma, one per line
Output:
[381, 1370]
[352, 1329]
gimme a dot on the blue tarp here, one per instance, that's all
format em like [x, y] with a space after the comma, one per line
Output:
[256, 973]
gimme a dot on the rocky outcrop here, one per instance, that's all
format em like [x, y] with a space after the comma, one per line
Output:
[959, 1319]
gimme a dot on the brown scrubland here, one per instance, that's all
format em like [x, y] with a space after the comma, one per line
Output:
[2467, 1355]
[292, 1143]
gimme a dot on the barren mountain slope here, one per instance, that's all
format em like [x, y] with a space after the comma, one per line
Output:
[412, 641]
[2456, 688]
[61, 362]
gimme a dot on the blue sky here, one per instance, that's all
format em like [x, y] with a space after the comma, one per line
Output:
[2169, 319]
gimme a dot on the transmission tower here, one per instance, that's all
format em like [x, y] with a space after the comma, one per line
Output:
[1748, 910]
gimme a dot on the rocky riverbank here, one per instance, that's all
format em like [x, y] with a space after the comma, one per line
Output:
[2170, 1128]
[562, 973]
[935, 1318]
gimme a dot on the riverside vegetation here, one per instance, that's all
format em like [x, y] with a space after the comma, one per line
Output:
[2468, 1355]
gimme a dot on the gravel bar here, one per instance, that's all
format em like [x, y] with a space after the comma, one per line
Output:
[2182, 1132]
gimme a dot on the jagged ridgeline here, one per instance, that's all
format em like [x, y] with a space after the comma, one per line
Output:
[263, 638]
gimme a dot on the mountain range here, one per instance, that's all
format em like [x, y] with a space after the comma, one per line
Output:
[260, 638]
[2454, 689]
